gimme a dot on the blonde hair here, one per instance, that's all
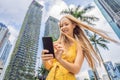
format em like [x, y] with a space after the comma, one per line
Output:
[88, 50]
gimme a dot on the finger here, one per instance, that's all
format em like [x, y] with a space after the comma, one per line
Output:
[46, 58]
[45, 51]
[46, 55]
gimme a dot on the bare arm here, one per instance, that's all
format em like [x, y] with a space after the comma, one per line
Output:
[76, 66]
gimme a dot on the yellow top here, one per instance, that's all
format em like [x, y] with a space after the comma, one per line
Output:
[57, 71]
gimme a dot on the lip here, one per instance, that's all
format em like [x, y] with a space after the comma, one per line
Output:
[65, 31]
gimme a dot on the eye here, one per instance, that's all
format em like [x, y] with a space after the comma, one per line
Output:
[61, 26]
[66, 24]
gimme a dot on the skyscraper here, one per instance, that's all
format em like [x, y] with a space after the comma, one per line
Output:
[91, 75]
[23, 59]
[111, 11]
[52, 28]
[4, 58]
[117, 65]
[5, 47]
[4, 35]
[112, 71]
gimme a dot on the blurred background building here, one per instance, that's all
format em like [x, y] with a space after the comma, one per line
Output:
[112, 71]
[52, 28]
[5, 47]
[91, 75]
[23, 59]
[111, 11]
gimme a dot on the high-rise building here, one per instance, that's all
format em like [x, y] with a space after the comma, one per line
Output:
[52, 28]
[117, 65]
[4, 35]
[112, 71]
[4, 58]
[5, 47]
[91, 75]
[6, 52]
[23, 59]
[111, 11]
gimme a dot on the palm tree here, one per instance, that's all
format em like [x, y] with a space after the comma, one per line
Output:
[99, 41]
[80, 14]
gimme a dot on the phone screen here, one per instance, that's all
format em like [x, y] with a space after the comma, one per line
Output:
[48, 44]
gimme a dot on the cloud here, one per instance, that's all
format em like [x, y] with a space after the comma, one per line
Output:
[12, 11]
[55, 7]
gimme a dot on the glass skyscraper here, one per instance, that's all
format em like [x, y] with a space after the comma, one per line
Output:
[111, 11]
[23, 59]
[4, 35]
[112, 71]
[5, 47]
[52, 28]
[91, 75]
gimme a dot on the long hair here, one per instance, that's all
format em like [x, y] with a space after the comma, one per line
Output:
[88, 51]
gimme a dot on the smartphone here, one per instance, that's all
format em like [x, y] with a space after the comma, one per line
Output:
[48, 44]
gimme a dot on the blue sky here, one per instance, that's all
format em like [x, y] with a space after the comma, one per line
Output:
[12, 13]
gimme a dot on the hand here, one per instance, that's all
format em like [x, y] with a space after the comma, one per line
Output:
[58, 51]
[46, 57]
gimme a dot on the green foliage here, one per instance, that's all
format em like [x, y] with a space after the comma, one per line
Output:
[80, 14]
[42, 70]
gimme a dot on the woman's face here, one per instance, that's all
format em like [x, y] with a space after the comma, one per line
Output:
[67, 26]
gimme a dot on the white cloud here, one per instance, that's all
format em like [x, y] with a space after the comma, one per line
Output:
[13, 11]
[56, 8]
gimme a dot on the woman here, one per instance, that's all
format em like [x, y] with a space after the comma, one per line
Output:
[70, 50]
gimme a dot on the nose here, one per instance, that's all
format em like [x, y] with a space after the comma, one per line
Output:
[63, 29]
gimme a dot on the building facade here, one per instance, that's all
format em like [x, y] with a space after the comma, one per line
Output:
[91, 75]
[4, 35]
[52, 28]
[111, 11]
[5, 47]
[117, 66]
[23, 59]
[112, 71]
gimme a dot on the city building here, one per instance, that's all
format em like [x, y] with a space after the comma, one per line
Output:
[23, 58]
[4, 57]
[91, 75]
[5, 47]
[52, 28]
[117, 65]
[117, 69]
[111, 11]
[4, 35]
[112, 71]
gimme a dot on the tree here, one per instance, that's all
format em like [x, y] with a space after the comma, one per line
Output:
[99, 41]
[80, 14]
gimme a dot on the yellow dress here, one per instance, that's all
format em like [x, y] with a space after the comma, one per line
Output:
[57, 71]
